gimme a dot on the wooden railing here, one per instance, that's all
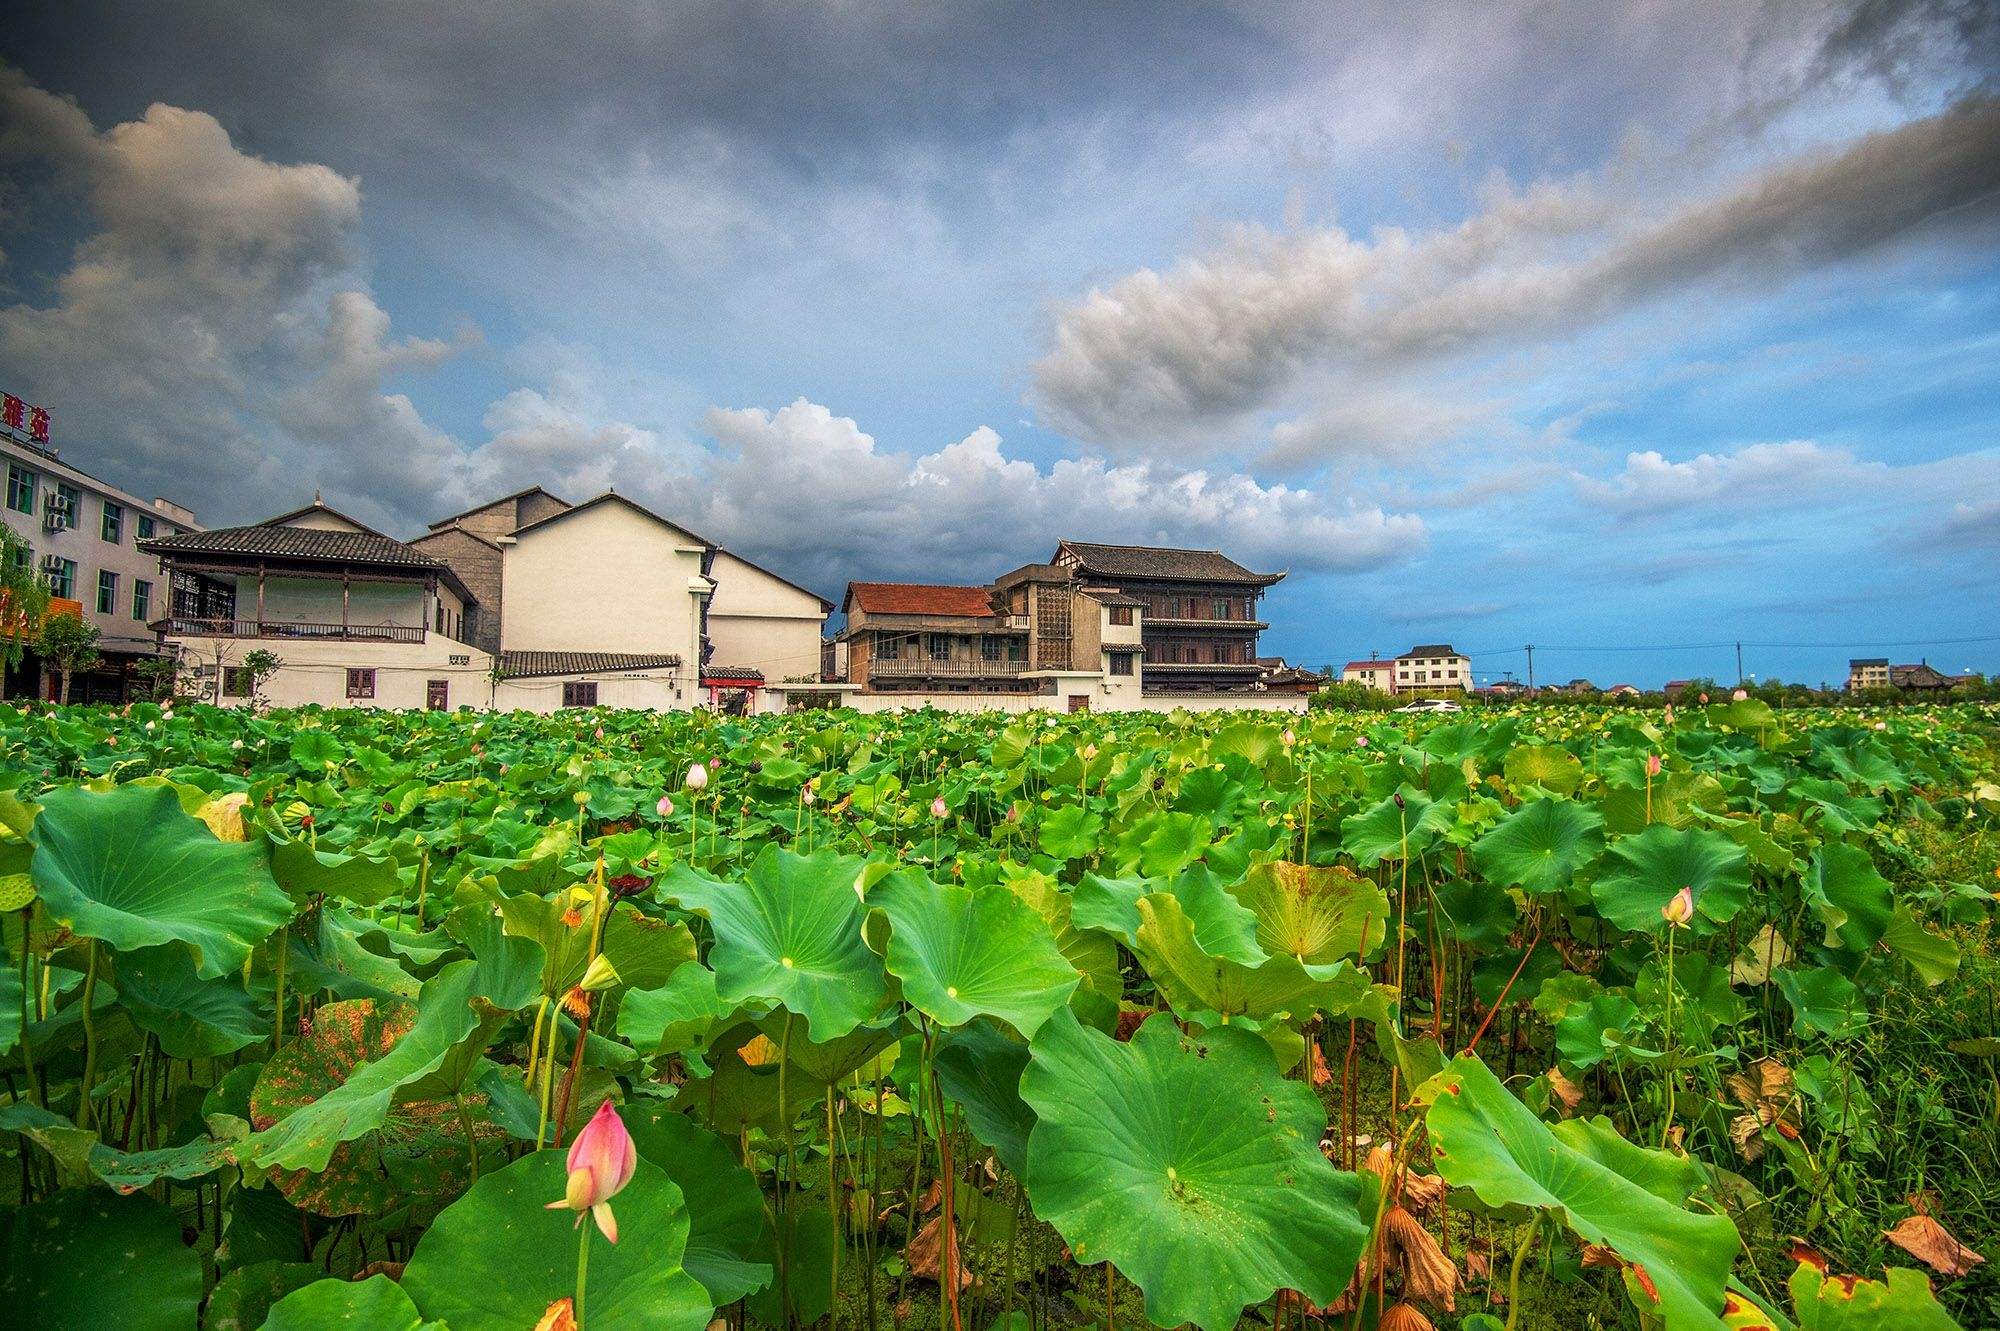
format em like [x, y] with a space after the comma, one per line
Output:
[905, 667]
[295, 630]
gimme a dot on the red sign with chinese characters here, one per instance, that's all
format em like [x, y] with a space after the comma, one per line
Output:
[20, 418]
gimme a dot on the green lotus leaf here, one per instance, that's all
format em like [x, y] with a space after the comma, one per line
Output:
[96, 1259]
[1191, 1165]
[1088, 952]
[242, 1300]
[808, 1278]
[1853, 900]
[1933, 956]
[1224, 926]
[1314, 915]
[728, 1228]
[1070, 832]
[1841, 809]
[1824, 1002]
[1607, 1190]
[1171, 842]
[681, 1014]
[962, 953]
[495, 1259]
[191, 1017]
[1593, 1031]
[1387, 832]
[979, 1068]
[377, 1303]
[791, 934]
[129, 867]
[80, 1156]
[1554, 769]
[1641, 874]
[1539, 846]
[1214, 989]
[307, 872]
[455, 1004]
[1703, 1001]
[1901, 1302]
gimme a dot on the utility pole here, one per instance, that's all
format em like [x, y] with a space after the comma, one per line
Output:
[1739, 665]
[1531, 667]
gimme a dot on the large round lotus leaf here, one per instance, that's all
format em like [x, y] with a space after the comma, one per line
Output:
[1609, 1191]
[1553, 769]
[242, 1300]
[728, 1229]
[962, 953]
[1539, 845]
[96, 1259]
[1854, 901]
[1070, 832]
[682, 1014]
[1824, 1002]
[377, 1303]
[1316, 916]
[1390, 832]
[1642, 873]
[1901, 1302]
[418, 1148]
[791, 934]
[192, 1017]
[1211, 990]
[1191, 1165]
[129, 867]
[495, 1259]
[1089, 953]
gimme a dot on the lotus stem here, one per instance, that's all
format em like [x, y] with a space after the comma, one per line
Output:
[84, 1110]
[582, 1270]
[27, 1036]
[784, 1237]
[471, 1141]
[278, 1010]
[1514, 1275]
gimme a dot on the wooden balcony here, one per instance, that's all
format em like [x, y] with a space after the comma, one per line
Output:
[289, 630]
[922, 667]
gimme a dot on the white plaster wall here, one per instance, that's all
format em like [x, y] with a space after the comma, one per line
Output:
[317, 601]
[1059, 702]
[316, 672]
[659, 691]
[603, 579]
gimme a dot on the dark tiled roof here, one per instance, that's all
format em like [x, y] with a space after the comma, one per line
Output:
[312, 545]
[528, 665]
[1430, 649]
[1112, 596]
[916, 598]
[731, 673]
[1147, 561]
[495, 503]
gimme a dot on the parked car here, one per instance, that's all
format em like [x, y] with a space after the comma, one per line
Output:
[1431, 705]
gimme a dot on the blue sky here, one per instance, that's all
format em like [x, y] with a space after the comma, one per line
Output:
[1592, 327]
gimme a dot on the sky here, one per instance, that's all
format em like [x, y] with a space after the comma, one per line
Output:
[1628, 331]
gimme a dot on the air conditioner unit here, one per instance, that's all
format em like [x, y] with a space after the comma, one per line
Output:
[56, 514]
[52, 566]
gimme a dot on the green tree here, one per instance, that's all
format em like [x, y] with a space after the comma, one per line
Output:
[68, 644]
[24, 598]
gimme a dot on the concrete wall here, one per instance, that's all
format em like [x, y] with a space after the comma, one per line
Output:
[1118, 700]
[654, 691]
[316, 672]
[757, 620]
[604, 578]
[478, 566]
[317, 601]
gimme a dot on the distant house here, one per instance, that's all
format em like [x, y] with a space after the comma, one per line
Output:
[1919, 678]
[1375, 674]
[1674, 688]
[1504, 688]
[1278, 677]
[1868, 672]
[1433, 666]
[1578, 686]
[1622, 691]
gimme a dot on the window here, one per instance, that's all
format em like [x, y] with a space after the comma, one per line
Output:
[20, 488]
[69, 500]
[61, 577]
[146, 527]
[1121, 614]
[940, 646]
[23, 555]
[112, 526]
[1192, 602]
[107, 592]
[142, 599]
[580, 693]
[888, 646]
[236, 682]
[437, 694]
[361, 683]
[1017, 649]
[1249, 607]
[1121, 663]
[1221, 608]
[991, 648]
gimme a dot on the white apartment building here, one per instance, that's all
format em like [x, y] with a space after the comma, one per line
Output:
[83, 537]
[1378, 675]
[1433, 667]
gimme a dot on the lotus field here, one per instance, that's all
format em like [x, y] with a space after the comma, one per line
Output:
[1543, 1018]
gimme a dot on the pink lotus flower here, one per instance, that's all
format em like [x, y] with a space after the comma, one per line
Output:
[665, 808]
[697, 777]
[598, 733]
[1287, 738]
[807, 795]
[1652, 764]
[601, 1162]
[1361, 741]
[1680, 910]
[1740, 695]
[938, 807]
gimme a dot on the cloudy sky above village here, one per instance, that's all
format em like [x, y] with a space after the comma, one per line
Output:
[1494, 323]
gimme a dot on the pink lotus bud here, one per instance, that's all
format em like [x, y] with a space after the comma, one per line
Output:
[1680, 910]
[714, 763]
[938, 807]
[1013, 813]
[1704, 697]
[1287, 738]
[697, 777]
[1652, 764]
[601, 1162]
[665, 808]
[808, 796]
[1739, 695]
[1361, 741]
[1089, 751]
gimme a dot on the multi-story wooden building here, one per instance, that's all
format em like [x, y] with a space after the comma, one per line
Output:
[1200, 610]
